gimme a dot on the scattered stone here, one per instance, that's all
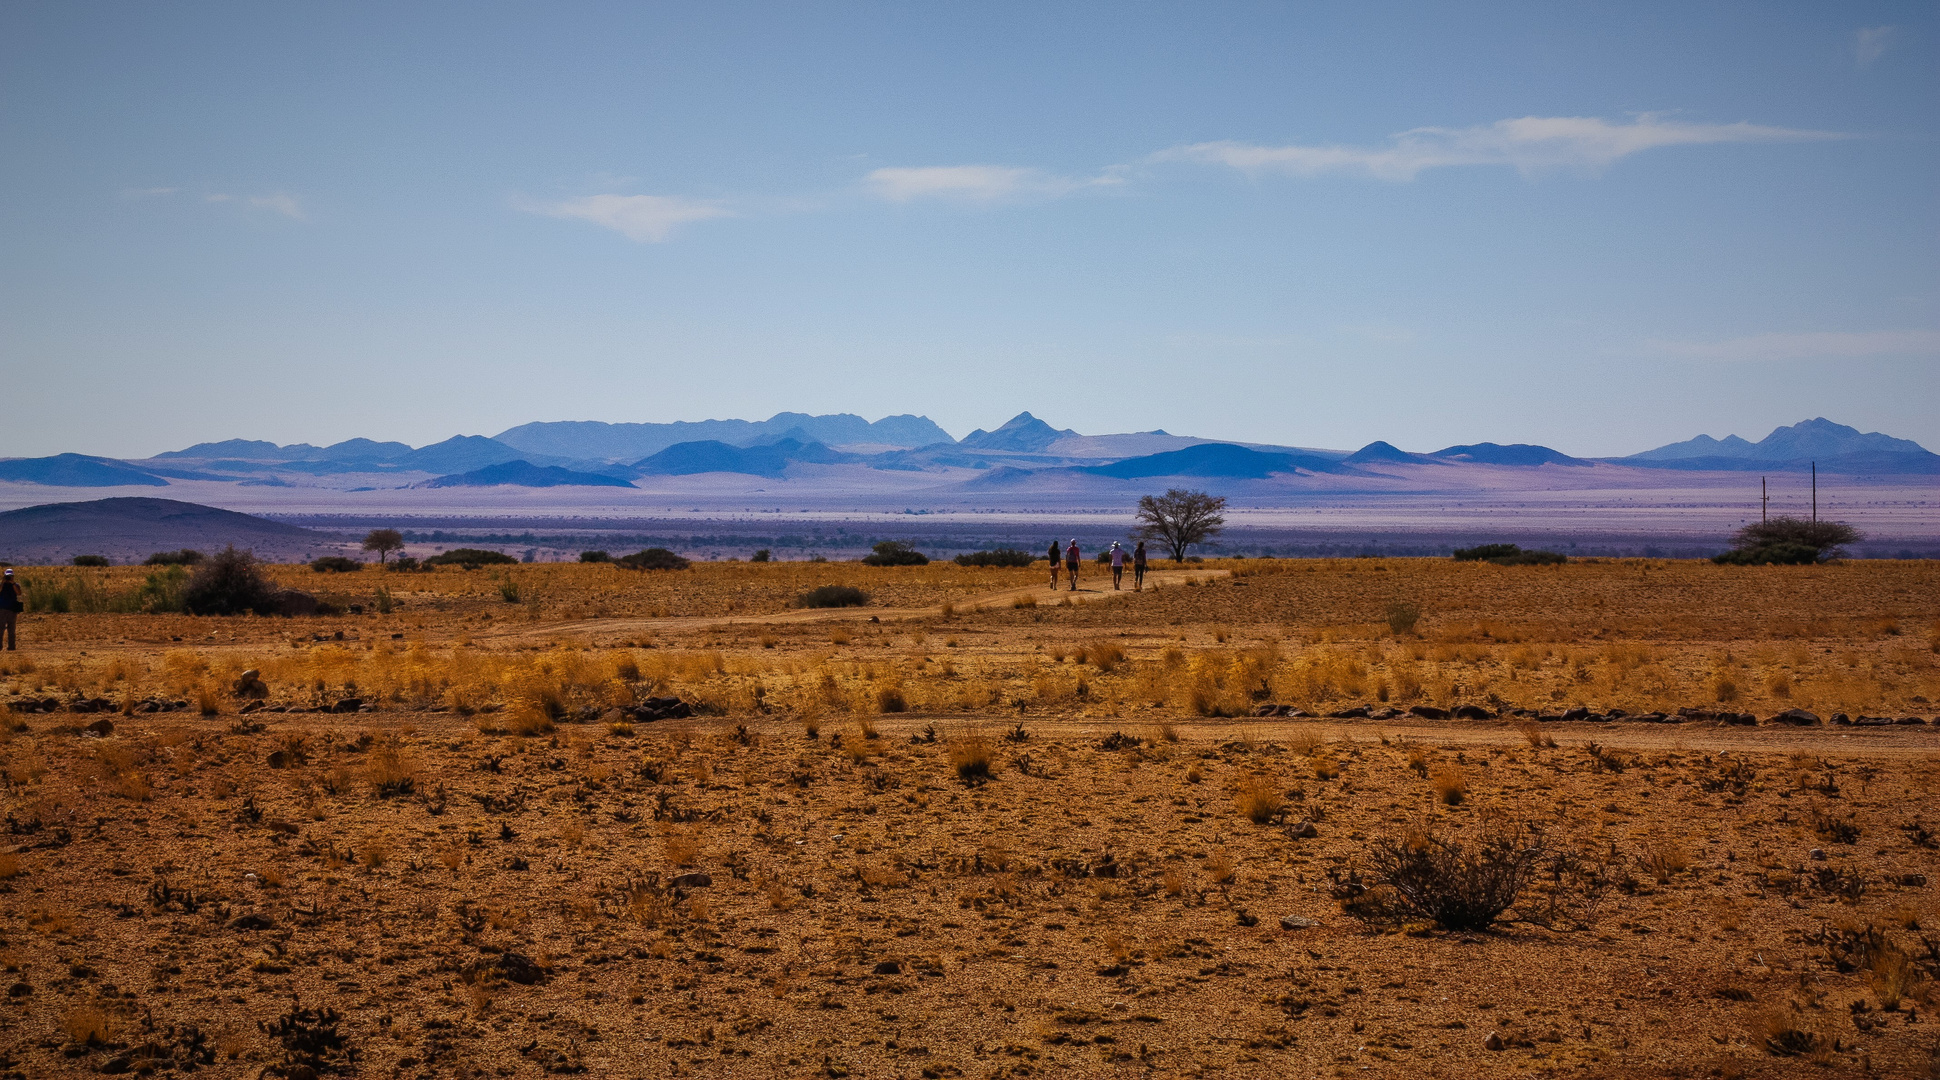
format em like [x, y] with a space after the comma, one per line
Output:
[1912, 881]
[1429, 712]
[518, 969]
[692, 881]
[251, 922]
[1817, 854]
[1297, 922]
[250, 685]
[1358, 712]
[348, 705]
[1472, 712]
[888, 967]
[1795, 718]
[1303, 830]
[1493, 1042]
[101, 728]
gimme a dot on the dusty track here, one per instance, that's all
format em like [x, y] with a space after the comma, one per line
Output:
[1093, 586]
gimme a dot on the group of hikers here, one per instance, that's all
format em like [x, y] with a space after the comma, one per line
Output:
[1117, 557]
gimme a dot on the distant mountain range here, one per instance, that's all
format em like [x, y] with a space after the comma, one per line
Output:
[1022, 451]
[124, 529]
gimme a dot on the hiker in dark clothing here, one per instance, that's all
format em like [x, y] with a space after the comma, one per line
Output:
[1138, 567]
[1054, 566]
[1071, 563]
[10, 608]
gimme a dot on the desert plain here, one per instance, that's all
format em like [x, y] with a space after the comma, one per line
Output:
[559, 819]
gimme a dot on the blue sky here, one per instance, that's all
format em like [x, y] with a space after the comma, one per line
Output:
[1599, 228]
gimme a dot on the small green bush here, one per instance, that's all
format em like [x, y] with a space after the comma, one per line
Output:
[232, 582]
[184, 557]
[595, 556]
[1508, 555]
[406, 564]
[832, 596]
[1780, 554]
[470, 558]
[761, 555]
[998, 557]
[655, 558]
[896, 553]
[1402, 617]
[336, 564]
[90, 560]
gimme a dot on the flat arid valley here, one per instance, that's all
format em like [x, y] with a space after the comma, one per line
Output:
[584, 819]
[1270, 541]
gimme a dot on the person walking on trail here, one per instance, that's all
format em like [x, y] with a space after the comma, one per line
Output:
[1117, 565]
[10, 609]
[1071, 563]
[1054, 566]
[1138, 567]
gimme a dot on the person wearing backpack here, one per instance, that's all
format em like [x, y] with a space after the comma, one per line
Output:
[10, 609]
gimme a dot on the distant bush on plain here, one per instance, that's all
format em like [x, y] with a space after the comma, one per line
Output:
[232, 583]
[336, 564]
[896, 553]
[655, 558]
[1508, 555]
[833, 596]
[470, 558]
[1788, 541]
[184, 557]
[999, 557]
[90, 560]
[595, 556]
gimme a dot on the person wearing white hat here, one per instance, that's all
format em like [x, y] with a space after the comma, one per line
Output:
[10, 608]
[1117, 565]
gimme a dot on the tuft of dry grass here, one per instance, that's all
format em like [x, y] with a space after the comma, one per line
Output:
[86, 1026]
[1260, 800]
[1664, 859]
[1451, 786]
[974, 758]
[1221, 868]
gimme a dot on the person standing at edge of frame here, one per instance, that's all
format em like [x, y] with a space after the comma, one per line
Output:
[1071, 563]
[1053, 556]
[1117, 565]
[1138, 567]
[10, 609]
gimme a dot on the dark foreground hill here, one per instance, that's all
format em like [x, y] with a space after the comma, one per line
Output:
[128, 530]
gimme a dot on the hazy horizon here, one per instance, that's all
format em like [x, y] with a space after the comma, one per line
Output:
[1600, 229]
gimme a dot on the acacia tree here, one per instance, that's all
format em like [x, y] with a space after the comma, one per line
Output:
[1789, 540]
[1181, 518]
[384, 541]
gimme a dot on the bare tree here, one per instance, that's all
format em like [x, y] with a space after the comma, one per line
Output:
[1180, 518]
[384, 541]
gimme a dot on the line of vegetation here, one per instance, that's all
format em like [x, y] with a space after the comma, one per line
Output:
[896, 553]
[833, 596]
[654, 558]
[470, 558]
[1007, 557]
[1509, 555]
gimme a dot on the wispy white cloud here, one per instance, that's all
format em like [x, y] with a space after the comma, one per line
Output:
[979, 183]
[646, 219]
[286, 205]
[1818, 345]
[1528, 143]
[1869, 43]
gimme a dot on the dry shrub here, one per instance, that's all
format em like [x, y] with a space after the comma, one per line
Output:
[1664, 859]
[1173, 882]
[1325, 767]
[1221, 868]
[1451, 787]
[974, 758]
[86, 1026]
[374, 853]
[890, 699]
[680, 848]
[881, 877]
[1025, 601]
[1454, 884]
[1784, 1034]
[1103, 655]
[1260, 800]
[1535, 736]
[389, 771]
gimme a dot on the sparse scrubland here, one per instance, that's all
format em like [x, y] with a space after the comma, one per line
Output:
[558, 818]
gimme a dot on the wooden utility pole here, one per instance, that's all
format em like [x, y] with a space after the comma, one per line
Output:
[1764, 499]
[1815, 491]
